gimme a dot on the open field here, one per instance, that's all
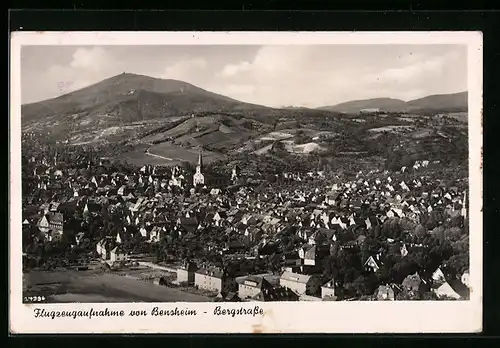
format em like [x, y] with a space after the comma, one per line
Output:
[165, 154]
[140, 158]
[181, 154]
[90, 286]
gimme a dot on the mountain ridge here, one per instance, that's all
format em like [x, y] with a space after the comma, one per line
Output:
[437, 102]
[123, 99]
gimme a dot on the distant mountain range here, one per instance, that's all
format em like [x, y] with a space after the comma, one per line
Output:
[434, 103]
[130, 99]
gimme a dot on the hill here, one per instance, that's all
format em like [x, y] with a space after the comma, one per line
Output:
[440, 102]
[455, 102]
[126, 98]
[355, 106]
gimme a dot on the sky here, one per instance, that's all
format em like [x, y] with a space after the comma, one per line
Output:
[276, 76]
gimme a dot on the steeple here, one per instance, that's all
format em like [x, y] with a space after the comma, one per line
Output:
[200, 160]
[198, 178]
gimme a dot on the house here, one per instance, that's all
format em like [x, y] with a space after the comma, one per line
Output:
[415, 283]
[218, 217]
[403, 250]
[300, 283]
[52, 221]
[186, 273]
[372, 264]
[387, 292]
[452, 289]
[123, 190]
[101, 248]
[309, 298]
[118, 254]
[143, 231]
[54, 206]
[438, 276]
[251, 285]
[234, 246]
[278, 293]
[155, 234]
[90, 207]
[465, 278]
[79, 238]
[213, 279]
[137, 206]
[312, 255]
[332, 198]
[328, 289]
[190, 224]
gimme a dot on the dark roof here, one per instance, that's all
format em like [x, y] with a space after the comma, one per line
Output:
[55, 218]
[459, 287]
[276, 294]
[295, 277]
[259, 281]
[231, 296]
[211, 271]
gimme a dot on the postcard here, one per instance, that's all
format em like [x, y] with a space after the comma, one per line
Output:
[245, 182]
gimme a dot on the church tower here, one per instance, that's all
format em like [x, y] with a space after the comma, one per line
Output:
[199, 178]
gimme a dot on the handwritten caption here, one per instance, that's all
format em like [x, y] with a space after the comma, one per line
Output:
[42, 313]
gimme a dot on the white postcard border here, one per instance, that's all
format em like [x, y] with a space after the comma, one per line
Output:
[281, 317]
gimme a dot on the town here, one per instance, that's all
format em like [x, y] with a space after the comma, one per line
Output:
[221, 232]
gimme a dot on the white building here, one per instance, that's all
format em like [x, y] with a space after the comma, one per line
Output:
[199, 178]
[117, 254]
[465, 279]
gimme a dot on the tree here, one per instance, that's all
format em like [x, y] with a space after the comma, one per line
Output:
[359, 286]
[453, 234]
[420, 231]
[279, 146]
[438, 232]
[406, 295]
[457, 264]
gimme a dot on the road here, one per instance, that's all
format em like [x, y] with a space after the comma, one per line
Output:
[165, 158]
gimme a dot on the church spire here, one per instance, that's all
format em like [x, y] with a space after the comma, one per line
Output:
[198, 178]
[200, 160]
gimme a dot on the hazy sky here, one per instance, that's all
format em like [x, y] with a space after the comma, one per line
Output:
[268, 75]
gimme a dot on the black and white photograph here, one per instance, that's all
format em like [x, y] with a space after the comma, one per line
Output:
[247, 174]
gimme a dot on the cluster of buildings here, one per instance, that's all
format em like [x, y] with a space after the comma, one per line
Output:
[162, 203]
